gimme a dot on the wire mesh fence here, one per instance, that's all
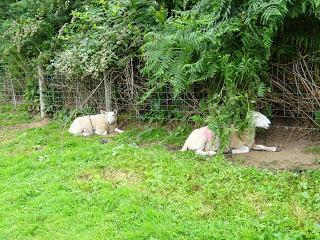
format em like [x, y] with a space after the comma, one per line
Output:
[89, 96]
[11, 90]
[126, 97]
[295, 91]
[294, 95]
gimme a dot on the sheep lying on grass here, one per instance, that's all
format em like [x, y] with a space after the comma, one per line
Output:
[200, 140]
[100, 124]
[205, 142]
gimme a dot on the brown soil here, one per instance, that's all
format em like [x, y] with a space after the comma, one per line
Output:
[120, 176]
[35, 124]
[292, 154]
[6, 130]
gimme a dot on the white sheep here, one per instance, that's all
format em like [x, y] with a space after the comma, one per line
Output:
[200, 140]
[205, 142]
[100, 124]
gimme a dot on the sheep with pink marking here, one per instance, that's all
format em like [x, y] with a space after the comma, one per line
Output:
[204, 142]
[200, 141]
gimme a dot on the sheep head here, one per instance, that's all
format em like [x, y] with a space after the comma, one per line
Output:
[261, 121]
[111, 117]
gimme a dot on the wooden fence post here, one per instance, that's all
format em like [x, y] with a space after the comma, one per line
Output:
[14, 98]
[107, 91]
[41, 91]
[13, 91]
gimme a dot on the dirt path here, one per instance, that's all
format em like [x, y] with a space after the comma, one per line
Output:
[290, 159]
[293, 153]
[7, 133]
[35, 124]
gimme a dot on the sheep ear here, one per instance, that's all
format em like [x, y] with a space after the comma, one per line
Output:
[115, 111]
[103, 112]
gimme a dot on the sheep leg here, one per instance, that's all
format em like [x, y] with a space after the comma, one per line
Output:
[243, 149]
[184, 148]
[85, 133]
[101, 132]
[211, 153]
[118, 130]
[203, 153]
[264, 148]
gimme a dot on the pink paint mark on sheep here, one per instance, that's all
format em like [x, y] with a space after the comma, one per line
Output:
[208, 133]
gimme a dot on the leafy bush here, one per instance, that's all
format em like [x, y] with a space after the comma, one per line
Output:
[225, 43]
[103, 36]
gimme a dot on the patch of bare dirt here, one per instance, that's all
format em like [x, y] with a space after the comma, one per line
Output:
[120, 176]
[292, 153]
[86, 177]
[173, 148]
[6, 131]
[34, 124]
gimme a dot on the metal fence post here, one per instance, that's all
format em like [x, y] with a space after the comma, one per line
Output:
[107, 90]
[41, 91]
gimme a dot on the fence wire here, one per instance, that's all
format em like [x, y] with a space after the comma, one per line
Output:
[295, 92]
[294, 96]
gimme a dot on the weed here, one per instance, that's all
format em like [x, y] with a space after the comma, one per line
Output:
[314, 149]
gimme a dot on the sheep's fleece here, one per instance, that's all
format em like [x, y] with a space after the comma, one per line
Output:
[200, 140]
[205, 142]
[100, 124]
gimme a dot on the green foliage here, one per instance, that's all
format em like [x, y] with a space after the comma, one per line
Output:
[104, 36]
[227, 43]
[28, 32]
[11, 115]
[317, 116]
[31, 96]
[32, 25]
[53, 99]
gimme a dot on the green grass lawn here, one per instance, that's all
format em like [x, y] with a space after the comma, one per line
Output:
[57, 186]
[10, 115]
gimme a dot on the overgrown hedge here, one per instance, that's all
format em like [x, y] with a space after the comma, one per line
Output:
[225, 44]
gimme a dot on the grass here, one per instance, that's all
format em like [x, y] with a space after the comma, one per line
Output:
[10, 115]
[313, 149]
[57, 186]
